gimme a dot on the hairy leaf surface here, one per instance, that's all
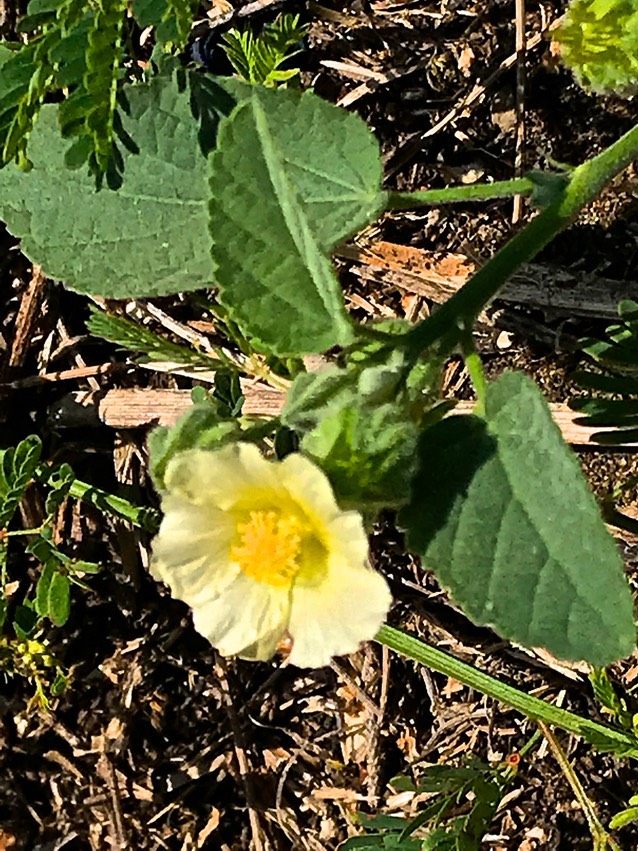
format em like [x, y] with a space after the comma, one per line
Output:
[366, 451]
[150, 237]
[292, 176]
[502, 513]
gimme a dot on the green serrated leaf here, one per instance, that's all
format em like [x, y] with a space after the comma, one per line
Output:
[291, 177]
[150, 237]
[257, 58]
[599, 42]
[501, 511]
[59, 599]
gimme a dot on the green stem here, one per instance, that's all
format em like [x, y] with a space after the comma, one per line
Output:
[600, 735]
[585, 183]
[601, 839]
[458, 194]
[18, 532]
[474, 366]
[146, 518]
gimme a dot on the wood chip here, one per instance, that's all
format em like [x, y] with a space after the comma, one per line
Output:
[143, 408]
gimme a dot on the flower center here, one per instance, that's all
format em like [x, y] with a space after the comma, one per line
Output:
[269, 547]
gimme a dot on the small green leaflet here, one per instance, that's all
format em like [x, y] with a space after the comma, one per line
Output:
[501, 512]
[59, 599]
[291, 177]
[17, 467]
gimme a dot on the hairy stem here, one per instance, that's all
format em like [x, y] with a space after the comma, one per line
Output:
[601, 839]
[583, 186]
[458, 194]
[600, 735]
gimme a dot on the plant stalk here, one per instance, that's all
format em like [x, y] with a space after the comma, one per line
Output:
[459, 194]
[601, 839]
[600, 735]
[145, 518]
[585, 183]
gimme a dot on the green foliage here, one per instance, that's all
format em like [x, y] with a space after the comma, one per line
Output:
[257, 58]
[135, 337]
[360, 422]
[474, 786]
[548, 186]
[22, 655]
[26, 613]
[611, 702]
[150, 239]
[626, 816]
[367, 451]
[17, 469]
[171, 19]
[204, 426]
[53, 595]
[599, 42]
[497, 506]
[76, 48]
[97, 103]
[291, 177]
[179, 13]
[31, 659]
[500, 510]
[618, 357]
[53, 590]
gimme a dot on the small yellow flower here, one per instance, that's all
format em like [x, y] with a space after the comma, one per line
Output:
[260, 550]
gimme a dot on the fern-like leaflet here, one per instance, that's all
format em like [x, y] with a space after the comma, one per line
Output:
[76, 48]
[614, 402]
[135, 337]
[257, 58]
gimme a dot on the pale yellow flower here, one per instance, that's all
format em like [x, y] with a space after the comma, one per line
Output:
[260, 550]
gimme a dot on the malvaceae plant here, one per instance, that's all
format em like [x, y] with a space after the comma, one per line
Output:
[250, 189]
[261, 552]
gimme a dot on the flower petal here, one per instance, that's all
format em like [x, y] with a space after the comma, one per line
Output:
[334, 616]
[347, 537]
[191, 553]
[247, 619]
[333, 603]
[308, 486]
[222, 477]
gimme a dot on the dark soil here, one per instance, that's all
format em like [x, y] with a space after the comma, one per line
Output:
[160, 744]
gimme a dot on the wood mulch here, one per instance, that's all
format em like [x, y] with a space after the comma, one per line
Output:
[158, 743]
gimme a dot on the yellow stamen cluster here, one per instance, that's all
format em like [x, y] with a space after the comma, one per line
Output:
[270, 543]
